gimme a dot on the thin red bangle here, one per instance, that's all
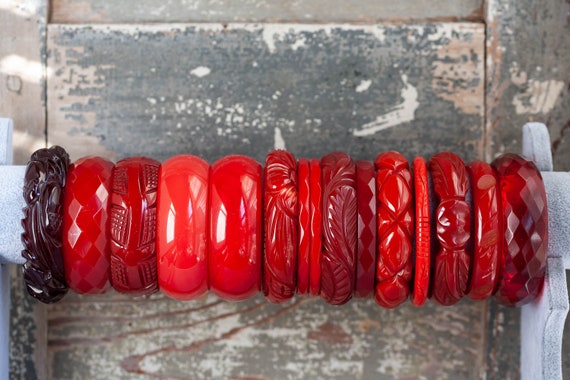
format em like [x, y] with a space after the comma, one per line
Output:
[367, 230]
[525, 227]
[423, 233]
[133, 226]
[395, 229]
[181, 227]
[339, 228]
[281, 220]
[304, 227]
[86, 253]
[453, 224]
[486, 235]
[316, 203]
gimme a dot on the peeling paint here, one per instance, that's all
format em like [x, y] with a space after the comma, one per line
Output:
[200, 71]
[363, 86]
[538, 97]
[279, 143]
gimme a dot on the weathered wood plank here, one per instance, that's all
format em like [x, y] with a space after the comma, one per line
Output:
[141, 11]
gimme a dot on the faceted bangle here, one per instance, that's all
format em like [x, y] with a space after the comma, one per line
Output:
[86, 251]
[525, 230]
[133, 226]
[304, 227]
[453, 223]
[395, 229]
[316, 238]
[44, 184]
[281, 220]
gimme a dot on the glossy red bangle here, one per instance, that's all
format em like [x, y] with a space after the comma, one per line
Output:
[486, 235]
[395, 229]
[133, 226]
[423, 233]
[525, 227]
[181, 227]
[338, 173]
[86, 253]
[316, 208]
[235, 228]
[453, 228]
[304, 227]
[367, 230]
[281, 222]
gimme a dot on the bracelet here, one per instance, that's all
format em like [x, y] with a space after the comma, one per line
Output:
[304, 248]
[316, 220]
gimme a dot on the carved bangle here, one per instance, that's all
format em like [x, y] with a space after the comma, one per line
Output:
[316, 220]
[304, 247]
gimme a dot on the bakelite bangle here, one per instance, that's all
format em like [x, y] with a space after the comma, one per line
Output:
[86, 251]
[486, 236]
[235, 228]
[316, 217]
[281, 220]
[525, 230]
[453, 228]
[395, 229]
[44, 184]
[338, 173]
[304, 248]
[423, 234]
[182, 219]
[132, 226]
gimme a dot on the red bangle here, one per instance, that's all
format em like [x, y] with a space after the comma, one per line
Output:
[304, 227]
[281, 219]
[486, 241]
[453, 223]
[423, 234]
[181, 233]
[235, 228]
[338, 174]
[316, 216]
[133, 226]
[525, 227]
[395, 229]
[86, 252]
[367, 230]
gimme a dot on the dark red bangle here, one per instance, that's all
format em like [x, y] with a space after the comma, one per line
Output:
[281, 220]
[44, 184]
[133, 226]
[86, 251]
[423, 233]
[453, 228]
[338, 173]
[395, 229]
[304, 227]
[486, 235]
[316, 204]
[367, 230]
[182, 218]
[235, 228]
[525, 230]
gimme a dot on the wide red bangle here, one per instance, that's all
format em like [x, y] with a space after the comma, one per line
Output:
[395, 229]
[423, 233]
[235, 228]
[453, 228]
[367, 230]
[338, 173]
[304, 227]
[486, 236]
[316, 238]
[181, 227]
[525, 230]
[133, 226]
[86, 252]
[281, 222]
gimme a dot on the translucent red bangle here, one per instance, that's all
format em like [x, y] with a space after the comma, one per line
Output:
[423, 234]
[525, 227]
[316, 207]
[395, 229]
[304, 227]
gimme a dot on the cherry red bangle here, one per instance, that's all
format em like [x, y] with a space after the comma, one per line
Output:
[486, 235]
[395, 229]
[86, 252]
[133, 226]
[181, 227]
[525, 230]
[304, 227]
[367, 231]
[423, 233]
[281, 219]
[316, 216]
[338, 173]
[235, 228]
[453, 228]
